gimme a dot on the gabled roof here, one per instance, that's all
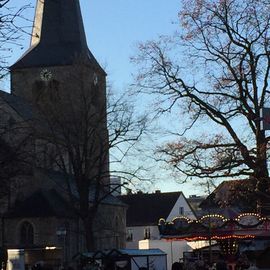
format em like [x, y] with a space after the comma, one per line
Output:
[42, 203]
[231, 193]
[147, 209]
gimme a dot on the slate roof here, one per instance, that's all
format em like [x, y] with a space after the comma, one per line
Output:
[62, 37]
[236, 195]
[18, 104]
[42, 203]
[50, 203]
[147, 209]
[225, 194]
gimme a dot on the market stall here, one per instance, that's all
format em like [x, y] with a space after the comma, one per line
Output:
[124, 259]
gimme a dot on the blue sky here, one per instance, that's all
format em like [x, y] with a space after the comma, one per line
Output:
[113, 29]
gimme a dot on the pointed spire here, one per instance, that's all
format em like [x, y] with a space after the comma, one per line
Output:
[58, 22]
[36, 31]
[58, 35]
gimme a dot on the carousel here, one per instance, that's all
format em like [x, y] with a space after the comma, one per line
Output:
[247, 232]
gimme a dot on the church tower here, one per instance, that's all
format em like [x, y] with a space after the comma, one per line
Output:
[58, 43]
[61, 86]
[59, 66]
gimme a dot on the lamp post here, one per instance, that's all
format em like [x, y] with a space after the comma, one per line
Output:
[62, 233]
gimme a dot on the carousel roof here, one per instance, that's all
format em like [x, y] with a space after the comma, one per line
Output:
[216, 227]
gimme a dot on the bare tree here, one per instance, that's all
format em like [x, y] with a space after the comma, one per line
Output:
[15, 159]
[16, 156]
[14, 24]
[216, 71]
[15, 144]
[75, 135]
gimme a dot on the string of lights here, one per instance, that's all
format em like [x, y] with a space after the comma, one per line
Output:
[214, 237]
[243, 219]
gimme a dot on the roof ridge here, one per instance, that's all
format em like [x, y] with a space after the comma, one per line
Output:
[154, 193]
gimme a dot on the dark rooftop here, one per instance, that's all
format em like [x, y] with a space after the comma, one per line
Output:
[18, 104]
[42, 203]
[62, 39]
[147, 209]
[235, 194]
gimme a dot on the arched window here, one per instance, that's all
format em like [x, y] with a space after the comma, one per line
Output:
[26, 233]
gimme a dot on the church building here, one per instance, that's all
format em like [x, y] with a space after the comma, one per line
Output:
[55, 84]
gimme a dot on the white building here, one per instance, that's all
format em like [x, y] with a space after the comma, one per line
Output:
[143, 214]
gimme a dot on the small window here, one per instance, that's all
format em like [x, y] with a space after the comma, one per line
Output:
[147, 234]
[129, 235]
[26, 233]
[181, 210]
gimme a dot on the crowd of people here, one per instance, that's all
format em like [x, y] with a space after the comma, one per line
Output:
[242, 264]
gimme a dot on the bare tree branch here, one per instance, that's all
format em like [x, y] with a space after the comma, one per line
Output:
[226, 84]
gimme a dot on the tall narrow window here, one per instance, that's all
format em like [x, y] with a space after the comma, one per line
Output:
[147, 233]
[129, 235]
[26, 233]
[117, 223]
[181, 210]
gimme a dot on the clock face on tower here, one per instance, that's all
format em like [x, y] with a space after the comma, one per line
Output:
[45, 75]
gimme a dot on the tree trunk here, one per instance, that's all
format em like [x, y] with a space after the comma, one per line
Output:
[261, 173]
[89, 234]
